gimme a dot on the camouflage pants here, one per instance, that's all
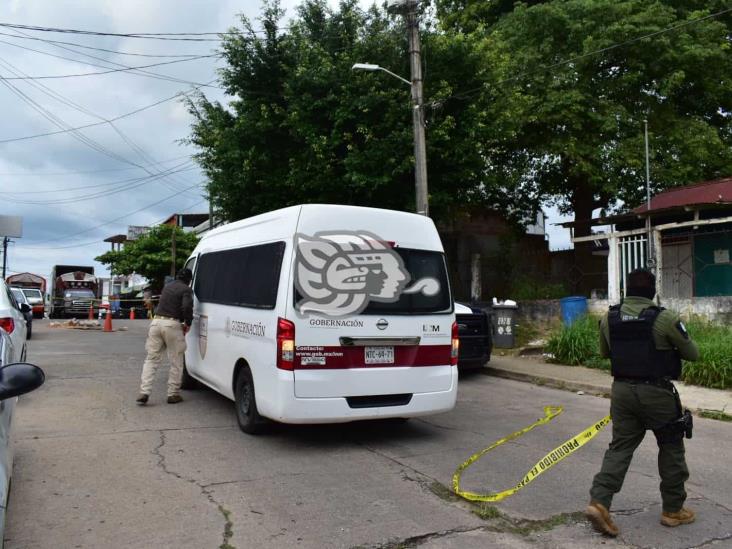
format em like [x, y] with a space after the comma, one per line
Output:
[636, 408]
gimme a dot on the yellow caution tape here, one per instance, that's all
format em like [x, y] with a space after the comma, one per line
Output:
[543, 465]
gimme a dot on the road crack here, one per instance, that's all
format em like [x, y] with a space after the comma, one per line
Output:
[416, 541]
[712, 541]
[228, 532]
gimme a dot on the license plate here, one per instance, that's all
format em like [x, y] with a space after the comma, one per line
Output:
[379, 355]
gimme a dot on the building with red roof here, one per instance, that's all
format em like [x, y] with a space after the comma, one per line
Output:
[685, 236]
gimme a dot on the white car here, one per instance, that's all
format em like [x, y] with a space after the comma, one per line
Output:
[15, 379]
[12, 320]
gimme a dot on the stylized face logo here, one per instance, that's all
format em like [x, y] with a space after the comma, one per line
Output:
[338, 273]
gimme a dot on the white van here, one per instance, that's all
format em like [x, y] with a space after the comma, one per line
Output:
[324, 313]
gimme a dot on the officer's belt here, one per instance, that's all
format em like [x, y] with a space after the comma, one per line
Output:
[659, 381]
[162, 317]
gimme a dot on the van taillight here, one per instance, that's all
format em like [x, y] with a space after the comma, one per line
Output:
[7, 324]
[285, 344]
[455, 345]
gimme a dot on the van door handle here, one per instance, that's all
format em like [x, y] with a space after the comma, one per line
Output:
[378, 341]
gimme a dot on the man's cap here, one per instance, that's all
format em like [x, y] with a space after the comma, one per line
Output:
[185, 275]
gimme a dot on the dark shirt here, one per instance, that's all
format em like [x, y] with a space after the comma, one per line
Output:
[176, 301]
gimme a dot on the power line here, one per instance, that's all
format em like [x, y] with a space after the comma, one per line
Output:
[78, 135]
[178, 36]
[128, 186]
[65, 237]
[81, 62]
[107, 63]
[92, 186]
[81, 172]
[97, 73]
[116, 52]
[55, 120]
[131, 113]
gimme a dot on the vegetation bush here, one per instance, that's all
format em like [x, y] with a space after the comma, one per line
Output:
[578, 344]
[714, 367]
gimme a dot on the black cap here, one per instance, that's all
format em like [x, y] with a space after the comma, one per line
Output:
[641, 283]
[185, 275]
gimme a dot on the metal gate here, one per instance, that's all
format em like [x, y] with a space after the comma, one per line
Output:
[633, 255]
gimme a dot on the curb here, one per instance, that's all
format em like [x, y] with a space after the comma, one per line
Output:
[564, 385]
[548, 382]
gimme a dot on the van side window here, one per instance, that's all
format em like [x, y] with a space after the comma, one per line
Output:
[245, 277]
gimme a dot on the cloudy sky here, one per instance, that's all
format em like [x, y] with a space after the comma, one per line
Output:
[74, 189]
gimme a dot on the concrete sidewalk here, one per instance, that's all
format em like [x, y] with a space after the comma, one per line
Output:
[579, 378]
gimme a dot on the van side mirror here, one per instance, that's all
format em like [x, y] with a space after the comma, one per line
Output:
[20, 378]
[25, 308]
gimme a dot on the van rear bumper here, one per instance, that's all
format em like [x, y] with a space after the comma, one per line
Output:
[290, 409]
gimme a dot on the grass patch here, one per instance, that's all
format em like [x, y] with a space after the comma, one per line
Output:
[578, 345]
[486, 511]
[443, 492]
[526, 527]
[715, 414]
[714, 367]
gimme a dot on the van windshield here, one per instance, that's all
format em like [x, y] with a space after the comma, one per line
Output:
[420, 264]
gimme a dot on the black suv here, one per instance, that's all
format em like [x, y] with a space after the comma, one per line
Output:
[475, 334]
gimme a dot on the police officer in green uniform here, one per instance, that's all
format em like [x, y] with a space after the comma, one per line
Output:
[645, 345]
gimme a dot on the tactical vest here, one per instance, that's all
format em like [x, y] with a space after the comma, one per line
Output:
[633, 352]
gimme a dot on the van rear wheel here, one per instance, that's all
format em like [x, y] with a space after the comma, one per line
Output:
[246, 403]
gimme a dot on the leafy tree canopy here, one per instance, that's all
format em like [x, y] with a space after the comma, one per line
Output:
[571, 84]
[151, 254]
[303, 127]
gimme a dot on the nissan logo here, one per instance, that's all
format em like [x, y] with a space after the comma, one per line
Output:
[382, 324]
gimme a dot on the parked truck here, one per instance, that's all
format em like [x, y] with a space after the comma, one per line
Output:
[74, 289]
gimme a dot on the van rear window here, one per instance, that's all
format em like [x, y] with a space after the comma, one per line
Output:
[244, 277]
[420, 264]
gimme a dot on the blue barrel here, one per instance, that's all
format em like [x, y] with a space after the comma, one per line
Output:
[572, 308]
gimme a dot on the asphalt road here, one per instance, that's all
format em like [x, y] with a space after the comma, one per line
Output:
[93, 469]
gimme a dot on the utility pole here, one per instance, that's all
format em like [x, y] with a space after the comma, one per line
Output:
[420, 147]
[172, 251]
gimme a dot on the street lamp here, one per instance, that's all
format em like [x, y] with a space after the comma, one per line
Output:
[370, 67]
[420, 149]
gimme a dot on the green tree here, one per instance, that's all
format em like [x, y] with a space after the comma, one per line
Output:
[571, 83]
[151, 254]
[303, 127]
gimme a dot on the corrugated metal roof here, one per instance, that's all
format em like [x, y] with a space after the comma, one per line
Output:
[718, 191]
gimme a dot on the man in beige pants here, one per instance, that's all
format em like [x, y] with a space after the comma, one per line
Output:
[170, 324]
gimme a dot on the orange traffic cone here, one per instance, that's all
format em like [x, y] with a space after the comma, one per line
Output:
[108, 321]
[132, 313]
[91, 311]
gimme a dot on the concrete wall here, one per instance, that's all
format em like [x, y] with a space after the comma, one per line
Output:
[541, 310]
[717, 309]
